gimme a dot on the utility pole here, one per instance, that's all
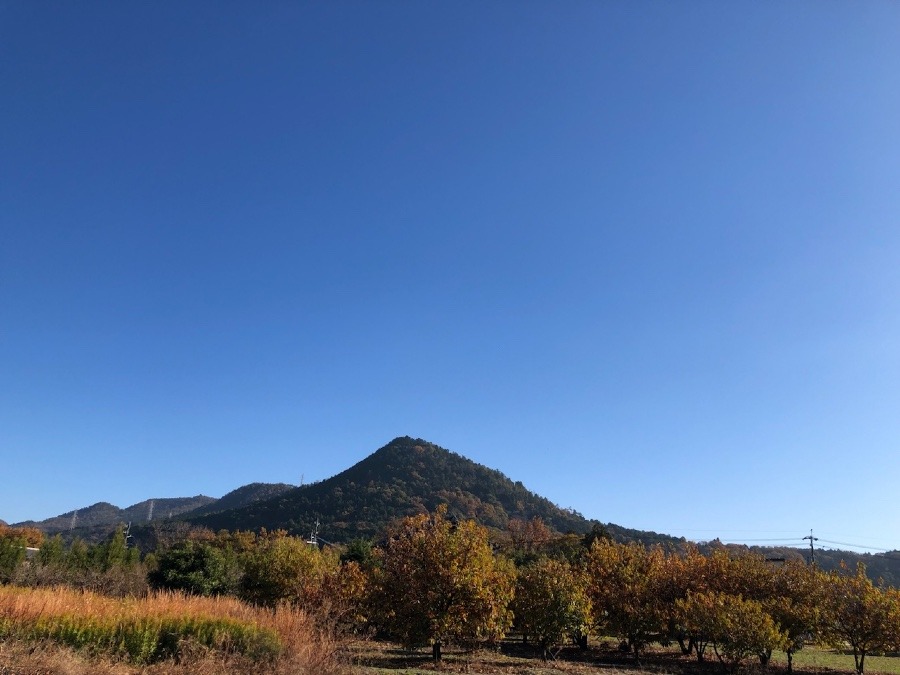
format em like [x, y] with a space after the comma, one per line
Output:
[812, 550]
[314, 535]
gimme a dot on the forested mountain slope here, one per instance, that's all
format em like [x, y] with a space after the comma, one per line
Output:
[404, 477]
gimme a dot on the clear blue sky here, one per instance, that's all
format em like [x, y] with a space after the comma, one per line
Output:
[642, 256]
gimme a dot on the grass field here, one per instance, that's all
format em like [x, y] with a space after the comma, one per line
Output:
[818, 659]
[378, 658]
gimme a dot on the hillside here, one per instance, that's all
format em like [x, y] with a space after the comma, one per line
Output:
[104, 514]
[243, 496]
[405, 477]
[93, 523]
[879, 566]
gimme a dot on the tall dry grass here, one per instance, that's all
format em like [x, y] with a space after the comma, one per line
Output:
[168, 630]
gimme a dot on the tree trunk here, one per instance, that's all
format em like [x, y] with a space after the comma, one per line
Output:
[436, 651]
[764, 658]
[685, 648]
[790, 655]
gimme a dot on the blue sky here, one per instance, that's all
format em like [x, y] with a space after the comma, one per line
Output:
[641, 256]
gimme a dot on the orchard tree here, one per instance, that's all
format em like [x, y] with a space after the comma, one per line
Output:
[439, 582]
[796, 604]
[678, 577]
[551, 603]
[735, 627]
[744, 629]
[697, 616]
[860, 614]
[624, 582]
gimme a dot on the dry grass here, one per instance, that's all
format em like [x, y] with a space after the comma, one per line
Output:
[160, 634]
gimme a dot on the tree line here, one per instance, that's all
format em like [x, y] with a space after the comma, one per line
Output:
[433, 581]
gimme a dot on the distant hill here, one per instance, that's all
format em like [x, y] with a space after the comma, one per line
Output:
[243, 496]
[879, 566]
[104, 514]
[94, 522]
[405, 477]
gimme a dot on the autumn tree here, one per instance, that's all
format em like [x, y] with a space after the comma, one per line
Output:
[698, 617]
[439, 582]
[281, 568]
[624, 583]
[528, 537]
[796, 604]
[736, 628]
[679, 576]
[859, 614]
[551, 603]
[745, 629]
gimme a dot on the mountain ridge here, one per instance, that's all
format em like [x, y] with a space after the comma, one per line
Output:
[404, 477]
[103, 516]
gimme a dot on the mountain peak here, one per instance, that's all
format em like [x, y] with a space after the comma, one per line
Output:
[405, 477]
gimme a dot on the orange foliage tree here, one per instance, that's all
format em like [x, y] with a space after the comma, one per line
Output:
[624, 582]
[860, 614]
[439, 582]
[551, 603]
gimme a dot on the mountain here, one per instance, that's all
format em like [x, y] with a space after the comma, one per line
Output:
[94, 522]
[243, 496]
[104, 514]
[409, 476]
[405, 477]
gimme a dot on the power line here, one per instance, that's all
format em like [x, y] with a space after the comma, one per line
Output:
[844, 543]
[791, 542]
[741, 541]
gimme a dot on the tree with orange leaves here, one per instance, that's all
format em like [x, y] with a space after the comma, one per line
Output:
[438, 582]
